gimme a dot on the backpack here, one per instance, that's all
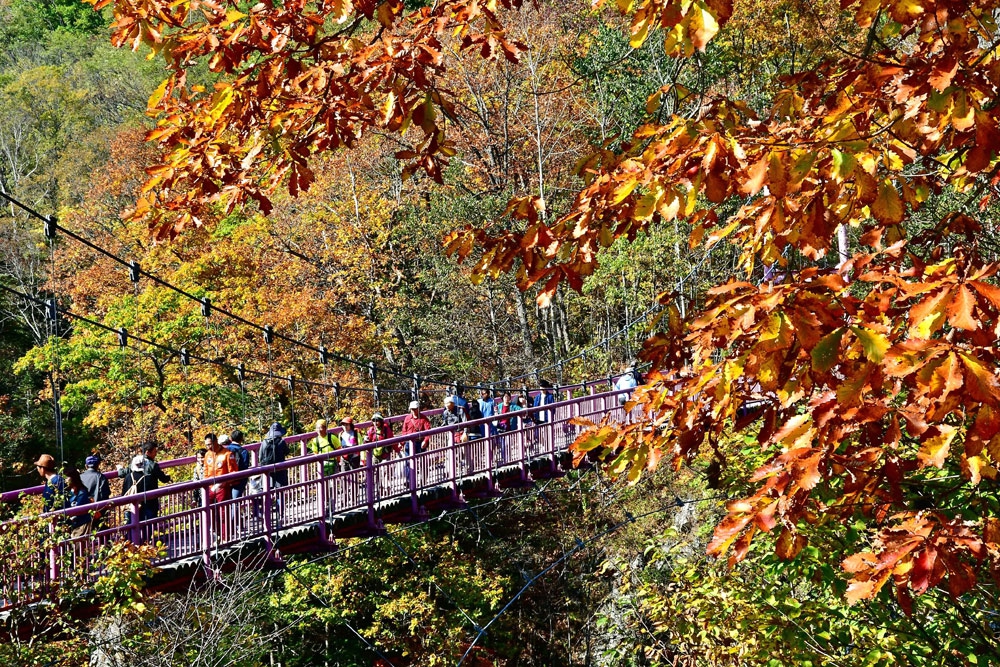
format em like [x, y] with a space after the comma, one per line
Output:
[639, 380]
[135, 478]
[267, 455]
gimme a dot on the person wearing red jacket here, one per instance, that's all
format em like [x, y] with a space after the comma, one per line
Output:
[414, 424]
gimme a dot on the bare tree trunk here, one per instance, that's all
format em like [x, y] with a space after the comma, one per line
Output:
[842, 249]
[522, 321]
[564, 323]
[494, 329]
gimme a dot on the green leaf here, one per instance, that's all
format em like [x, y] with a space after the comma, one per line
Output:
[824, 355]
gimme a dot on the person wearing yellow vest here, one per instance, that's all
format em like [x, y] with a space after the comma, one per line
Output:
[323, 443]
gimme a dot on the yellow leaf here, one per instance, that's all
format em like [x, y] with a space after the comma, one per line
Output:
[222, 100]
[703, 26]
[388, 107]
[157, 95]
[641, 25]
[342, 10]
[934, 449]
[623, 190]
[232, 16]
[843, 165]
[874, 344]
[904, 11]
[888, 208]
[972, 468]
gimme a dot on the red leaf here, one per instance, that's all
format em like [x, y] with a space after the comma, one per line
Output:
[789, 544]
[960, 309]
[922, 574]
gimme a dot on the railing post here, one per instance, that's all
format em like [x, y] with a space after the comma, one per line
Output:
[552, 440]
[522, 441]
[492, 441]
[53, 553]
[370, 487]
[321, 498]
[412, 474]
[206, 525]
[452, 467]
[133, 532]
[268, 506]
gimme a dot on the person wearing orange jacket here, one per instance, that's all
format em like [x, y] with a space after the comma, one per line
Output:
[219, 461]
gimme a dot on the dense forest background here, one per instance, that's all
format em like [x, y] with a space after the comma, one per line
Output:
[580, 571]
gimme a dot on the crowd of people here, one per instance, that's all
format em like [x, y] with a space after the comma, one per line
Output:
[225, 454]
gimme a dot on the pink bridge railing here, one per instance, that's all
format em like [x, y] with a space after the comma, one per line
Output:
[189, 527]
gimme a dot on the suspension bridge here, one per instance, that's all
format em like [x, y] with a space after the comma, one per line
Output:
[318, 505]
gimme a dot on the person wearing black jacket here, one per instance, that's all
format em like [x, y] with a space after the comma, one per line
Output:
[96, 484]
[144, 475]
[95, 481]
[274, 449]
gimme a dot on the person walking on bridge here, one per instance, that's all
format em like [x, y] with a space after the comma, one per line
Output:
[380, 430]
[509, 404]
[456, 393]
[349, 437]
[545, 397]
[415, 422]
[96, 483]
[54, 493]
[325, 443]
[242, 458]
[274, 450]
[452, 416]
[488, 408]
[77, 496]
[219, 461]
[145, 475]
[627, 382]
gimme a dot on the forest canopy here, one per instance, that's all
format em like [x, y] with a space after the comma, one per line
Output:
[785, 211]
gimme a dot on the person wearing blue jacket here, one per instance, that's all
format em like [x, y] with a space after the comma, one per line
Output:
[487, 406]
[545, 397]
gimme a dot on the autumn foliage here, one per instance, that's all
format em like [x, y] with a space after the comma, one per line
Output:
[869, 380]
[867, 374]
[299, 78]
